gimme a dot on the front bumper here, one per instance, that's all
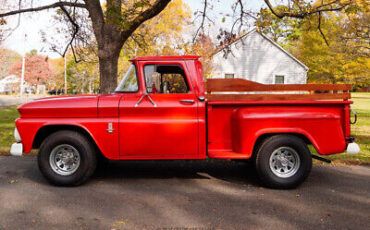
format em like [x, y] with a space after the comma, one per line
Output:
[16, 149]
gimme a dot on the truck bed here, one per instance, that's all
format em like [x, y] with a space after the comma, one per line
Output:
[319, 113]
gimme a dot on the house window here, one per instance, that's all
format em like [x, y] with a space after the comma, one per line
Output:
[279, 79]
[229, 75]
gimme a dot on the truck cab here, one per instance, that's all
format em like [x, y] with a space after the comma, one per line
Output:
[162, 109]
[160, 106]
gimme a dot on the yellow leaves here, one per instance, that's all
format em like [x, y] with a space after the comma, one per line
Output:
[120, 224]
[342, 61]
[12, 181]
[161, 35]
[171, 20]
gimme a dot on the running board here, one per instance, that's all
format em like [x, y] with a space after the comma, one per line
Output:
[321, 159]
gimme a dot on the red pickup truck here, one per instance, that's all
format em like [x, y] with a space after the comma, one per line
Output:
[162, 109]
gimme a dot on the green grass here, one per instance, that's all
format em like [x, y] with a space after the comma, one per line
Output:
[361, 130]
[7, 118]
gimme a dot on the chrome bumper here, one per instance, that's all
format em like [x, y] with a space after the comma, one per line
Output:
[16, 149]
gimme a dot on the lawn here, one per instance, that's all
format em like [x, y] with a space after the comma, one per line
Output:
[7, 118]
[361, 130]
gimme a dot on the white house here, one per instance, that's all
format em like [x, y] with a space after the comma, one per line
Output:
[257, 58]
[11, 84]
[8, 83]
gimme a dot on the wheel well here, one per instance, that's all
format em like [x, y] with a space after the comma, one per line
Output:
[45, 131]
[263, 137]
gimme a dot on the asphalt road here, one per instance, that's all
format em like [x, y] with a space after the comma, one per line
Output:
[182, 195]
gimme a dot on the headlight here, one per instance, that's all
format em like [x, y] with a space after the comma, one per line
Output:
[16, 135]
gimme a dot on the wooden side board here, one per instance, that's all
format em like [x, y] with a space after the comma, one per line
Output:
[305, 91]
[273, 97]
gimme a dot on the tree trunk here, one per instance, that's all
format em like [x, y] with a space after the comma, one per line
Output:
[110, 36]
[108, 66]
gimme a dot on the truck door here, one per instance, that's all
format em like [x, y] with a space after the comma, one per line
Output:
[160, 121]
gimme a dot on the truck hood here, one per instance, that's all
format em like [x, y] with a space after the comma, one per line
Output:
[61, 106]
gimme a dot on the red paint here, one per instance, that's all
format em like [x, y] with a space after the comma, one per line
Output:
[178, 130]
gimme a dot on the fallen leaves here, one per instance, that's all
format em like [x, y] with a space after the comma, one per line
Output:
[12, 181]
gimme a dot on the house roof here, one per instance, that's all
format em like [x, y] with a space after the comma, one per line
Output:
[182, 57]
[272, 42]
[10, 79]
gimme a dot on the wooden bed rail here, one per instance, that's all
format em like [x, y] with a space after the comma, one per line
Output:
[234, 87]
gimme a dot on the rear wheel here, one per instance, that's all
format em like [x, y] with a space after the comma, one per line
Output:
[283, 161]
[67, 158]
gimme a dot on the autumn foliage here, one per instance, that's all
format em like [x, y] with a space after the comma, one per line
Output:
[37, 70]
[337, 53]
[204, 47]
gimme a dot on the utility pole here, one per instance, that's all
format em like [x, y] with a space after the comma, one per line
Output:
[65, 73]
[23, 64]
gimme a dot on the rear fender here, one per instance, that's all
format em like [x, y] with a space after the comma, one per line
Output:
[322, 129]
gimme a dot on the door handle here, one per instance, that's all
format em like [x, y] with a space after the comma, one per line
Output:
[187, 101]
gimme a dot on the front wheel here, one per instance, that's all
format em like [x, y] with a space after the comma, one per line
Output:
[67, 158]
[283, 161]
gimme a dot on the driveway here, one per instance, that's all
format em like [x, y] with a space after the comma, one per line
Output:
[182, 195]
[7, 100]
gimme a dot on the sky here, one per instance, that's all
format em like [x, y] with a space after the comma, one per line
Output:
[33, 23]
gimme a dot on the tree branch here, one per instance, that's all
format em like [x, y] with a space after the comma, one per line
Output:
[18, 22]
[54, 5]
[241, 17]
[306, 13]
[322, 33]
[97, 18]
[149, 13]
[204, 15]
[75, 31]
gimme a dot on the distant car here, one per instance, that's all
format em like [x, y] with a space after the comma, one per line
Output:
[52, 92]
[56, 92]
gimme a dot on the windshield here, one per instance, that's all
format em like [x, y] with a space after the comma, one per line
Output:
[129, 81]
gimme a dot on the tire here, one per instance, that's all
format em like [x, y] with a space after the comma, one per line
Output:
[67, 158]
[283, 162]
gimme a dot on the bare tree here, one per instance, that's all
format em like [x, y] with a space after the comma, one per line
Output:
[299, 9]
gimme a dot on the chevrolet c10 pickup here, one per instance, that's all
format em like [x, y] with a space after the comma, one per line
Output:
[163, 109]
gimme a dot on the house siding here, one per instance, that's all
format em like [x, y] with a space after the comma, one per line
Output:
[255, 58]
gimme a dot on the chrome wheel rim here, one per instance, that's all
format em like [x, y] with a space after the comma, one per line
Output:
[64, 159]
[284, 162]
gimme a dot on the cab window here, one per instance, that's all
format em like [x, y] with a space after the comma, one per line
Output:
[129, 83]
[165, 79]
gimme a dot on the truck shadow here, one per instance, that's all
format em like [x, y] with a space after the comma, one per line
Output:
[227, 170]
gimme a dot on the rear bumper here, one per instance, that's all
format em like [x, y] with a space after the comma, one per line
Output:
[16, 149]
[353, 148]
